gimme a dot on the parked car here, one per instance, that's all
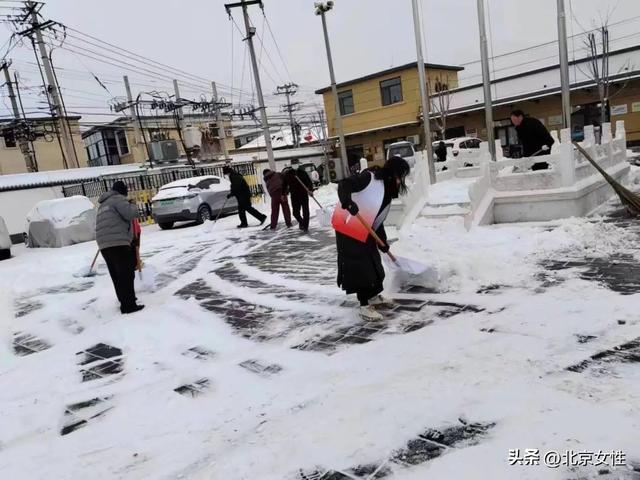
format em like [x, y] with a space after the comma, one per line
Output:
[192, 199]
[5, 241]
[462, 146]
[404, 150]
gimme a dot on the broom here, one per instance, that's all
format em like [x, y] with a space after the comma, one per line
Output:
[627, 197]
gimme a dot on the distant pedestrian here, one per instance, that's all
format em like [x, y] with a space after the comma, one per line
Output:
[315, 177]
[369, 193]
[321, 174]
[533, 136]
[114, 235]
[277, 188]
[300, 186]
[240, 189]
[441, 152]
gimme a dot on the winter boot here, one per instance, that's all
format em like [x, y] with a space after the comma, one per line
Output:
[379, 302]
[368, 313]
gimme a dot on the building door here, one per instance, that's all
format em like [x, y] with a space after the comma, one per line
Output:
[454, 132]
[354, 154]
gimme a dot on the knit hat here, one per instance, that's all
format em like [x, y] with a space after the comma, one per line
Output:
[120, 187]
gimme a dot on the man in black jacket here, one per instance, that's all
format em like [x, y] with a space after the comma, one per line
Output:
[240, 190]
[300, 186]
[533, 136]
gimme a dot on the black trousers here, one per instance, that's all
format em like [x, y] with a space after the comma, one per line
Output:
[301, 204]
[121, 264]
[244, 209]
[368, 293]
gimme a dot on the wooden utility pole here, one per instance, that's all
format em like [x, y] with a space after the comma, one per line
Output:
[250, 32]
[51, 88]
[222, 135]
[25, 146]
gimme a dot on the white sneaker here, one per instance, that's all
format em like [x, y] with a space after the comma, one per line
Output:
[380, 301]
[369, 313]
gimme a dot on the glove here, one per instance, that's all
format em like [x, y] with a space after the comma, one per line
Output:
[384, 249]
[352, 208]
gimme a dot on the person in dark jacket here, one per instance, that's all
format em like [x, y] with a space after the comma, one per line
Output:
[441, 152]
[114, 235]
[300, 186]
[240, 190]
[369, 193]
[277, 188]
[533, 136]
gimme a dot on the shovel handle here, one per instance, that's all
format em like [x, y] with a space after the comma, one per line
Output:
[309, 192]
[93, 264]
[375, 237]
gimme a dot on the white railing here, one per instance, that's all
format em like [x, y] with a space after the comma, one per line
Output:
[566, 166]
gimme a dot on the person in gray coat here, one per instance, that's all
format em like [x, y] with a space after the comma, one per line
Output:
[114, 236]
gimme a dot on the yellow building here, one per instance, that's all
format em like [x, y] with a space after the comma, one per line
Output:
[115, 143]
[383, 108]
[48, 152]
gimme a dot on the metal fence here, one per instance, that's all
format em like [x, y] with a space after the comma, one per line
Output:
[143, 186]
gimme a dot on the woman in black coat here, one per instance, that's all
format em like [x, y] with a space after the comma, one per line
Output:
[369, 193]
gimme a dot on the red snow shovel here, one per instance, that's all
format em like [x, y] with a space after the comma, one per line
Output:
[402, 263]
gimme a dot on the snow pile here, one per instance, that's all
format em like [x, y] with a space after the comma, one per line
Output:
[61, 222]
[451, 191]
[584, 237]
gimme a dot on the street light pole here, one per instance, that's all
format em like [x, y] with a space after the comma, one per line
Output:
[424, 93]
[564, 65]
[486, 81]
[321, 9]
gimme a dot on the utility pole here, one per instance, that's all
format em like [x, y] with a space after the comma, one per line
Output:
[222, 135]
[51, 88]
[564, 65]
[424, 93]
[25, 148]
[179, 116]
[137, 132]
[321, 10]
[486, 81]
[250, 32]
[289, 90]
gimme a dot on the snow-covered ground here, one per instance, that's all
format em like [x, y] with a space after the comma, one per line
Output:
[249, 363]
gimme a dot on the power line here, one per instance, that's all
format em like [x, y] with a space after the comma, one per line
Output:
[277, 46]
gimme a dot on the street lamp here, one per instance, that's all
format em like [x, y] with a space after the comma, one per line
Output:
[321, 8]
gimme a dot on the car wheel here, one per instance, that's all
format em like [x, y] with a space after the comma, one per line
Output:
[204, 214]
[165, 225]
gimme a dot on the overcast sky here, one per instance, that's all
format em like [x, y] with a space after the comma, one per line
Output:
[366, 35]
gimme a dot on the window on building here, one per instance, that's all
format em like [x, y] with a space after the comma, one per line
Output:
[346, 102]
[9, 138]
[123, 146]
[391, 91]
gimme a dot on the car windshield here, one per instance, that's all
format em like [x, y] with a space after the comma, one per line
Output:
[403, 151]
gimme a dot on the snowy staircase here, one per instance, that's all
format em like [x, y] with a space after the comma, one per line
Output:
[448, 199]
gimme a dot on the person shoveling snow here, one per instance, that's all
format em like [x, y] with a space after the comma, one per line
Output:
[365, 200]
[114, 235]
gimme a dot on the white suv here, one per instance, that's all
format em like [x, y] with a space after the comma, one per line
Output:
[404, 150]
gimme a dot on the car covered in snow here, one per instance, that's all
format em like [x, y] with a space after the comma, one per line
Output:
[404, 150]
[192, 199]
[61, 222]
[5, 241]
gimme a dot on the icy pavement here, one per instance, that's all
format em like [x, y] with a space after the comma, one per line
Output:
[249, 363]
